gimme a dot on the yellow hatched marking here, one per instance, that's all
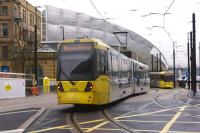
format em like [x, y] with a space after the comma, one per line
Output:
[142, 121]
[105, 129]
[66, 128]
[86, 122]
[169, 124]
[181, 122]
[156, 131]
[52, 128]
[149, 113]
[116, 118]
[95, 127]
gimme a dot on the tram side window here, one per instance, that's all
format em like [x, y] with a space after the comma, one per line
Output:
[102, 62]
[110, 64]
[139, 74]
[114, 65]
[126, 70]
[147, 74]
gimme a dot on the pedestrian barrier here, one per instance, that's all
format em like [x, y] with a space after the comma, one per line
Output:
[14, 85]
[35, 90]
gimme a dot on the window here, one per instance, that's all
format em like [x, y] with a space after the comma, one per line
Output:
[3, 11]
[24, 16]
[3, 52]
[31, 19]
[4, 30]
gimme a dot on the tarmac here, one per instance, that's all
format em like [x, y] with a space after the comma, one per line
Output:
[17, 114]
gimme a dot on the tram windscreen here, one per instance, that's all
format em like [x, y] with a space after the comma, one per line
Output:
[76, 62]
[167, 78]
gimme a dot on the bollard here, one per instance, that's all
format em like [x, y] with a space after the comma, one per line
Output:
[46, 85]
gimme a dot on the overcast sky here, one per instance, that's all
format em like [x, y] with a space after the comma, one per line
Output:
[177, 22]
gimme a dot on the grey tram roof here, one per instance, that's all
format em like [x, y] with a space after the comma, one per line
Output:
[77, 24]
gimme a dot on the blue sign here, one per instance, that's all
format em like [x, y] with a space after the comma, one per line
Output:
[5, 68]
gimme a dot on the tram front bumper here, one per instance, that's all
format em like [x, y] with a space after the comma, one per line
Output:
[75, 97]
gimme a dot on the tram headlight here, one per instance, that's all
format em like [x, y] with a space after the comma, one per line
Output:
[60, 87]
[88, 87]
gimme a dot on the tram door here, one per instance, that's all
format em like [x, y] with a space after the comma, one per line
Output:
[132, 78]
[137, 78]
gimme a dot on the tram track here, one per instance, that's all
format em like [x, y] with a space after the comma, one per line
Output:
[118, 124]
[176, 109]
[108, 118]
[70, 119]
[147, 113]
[122, 126]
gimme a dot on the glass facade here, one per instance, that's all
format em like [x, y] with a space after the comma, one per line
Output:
[77, 24]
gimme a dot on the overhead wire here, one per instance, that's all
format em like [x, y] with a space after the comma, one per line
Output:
[94, 6]
[169, 6]
[165, 30]
[118, 30]
[115, 27]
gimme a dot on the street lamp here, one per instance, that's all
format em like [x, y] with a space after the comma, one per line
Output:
[35, 47]
[63, 32]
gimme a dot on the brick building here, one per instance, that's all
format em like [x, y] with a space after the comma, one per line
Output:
[18, 19]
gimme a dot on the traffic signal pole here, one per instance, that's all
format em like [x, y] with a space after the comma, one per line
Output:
[193, 56]
[188, 50]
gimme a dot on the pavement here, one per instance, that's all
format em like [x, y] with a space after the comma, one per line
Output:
[17, 114]
[196, 96]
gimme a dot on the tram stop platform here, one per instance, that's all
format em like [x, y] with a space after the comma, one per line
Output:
[17, 114]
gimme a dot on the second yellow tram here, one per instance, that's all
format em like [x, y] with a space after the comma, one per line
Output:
[162, 79]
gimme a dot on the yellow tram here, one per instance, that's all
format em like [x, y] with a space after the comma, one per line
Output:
[91, 72]
[162, 79]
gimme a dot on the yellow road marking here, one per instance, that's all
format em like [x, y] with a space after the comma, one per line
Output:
[103, 123]
[105, 129]
[17, 112]
[48, 129]
[169, 124]
[138, 130]
[116, 118]
[142, 114]
[86, 122]
[159, 131]
[141, 121]
[97, 126]
[181, 122]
